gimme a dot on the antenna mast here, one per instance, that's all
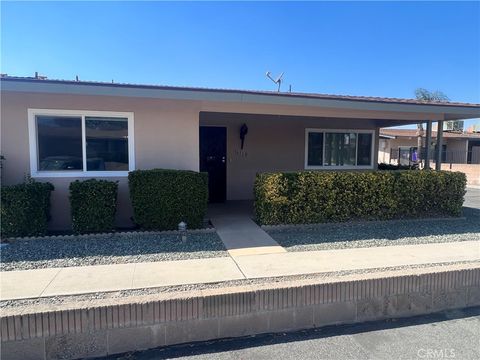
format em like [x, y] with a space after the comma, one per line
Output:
[277, 81]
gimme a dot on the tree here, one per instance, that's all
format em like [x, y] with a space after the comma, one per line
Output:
[430, 96]
[427, 96]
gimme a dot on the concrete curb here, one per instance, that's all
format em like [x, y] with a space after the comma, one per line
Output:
[111, 329]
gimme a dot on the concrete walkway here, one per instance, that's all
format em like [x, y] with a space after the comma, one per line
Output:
[239, 233]
[88, 279]
[298, 263]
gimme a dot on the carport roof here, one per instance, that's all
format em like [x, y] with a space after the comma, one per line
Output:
[399, 133]
[452, 110]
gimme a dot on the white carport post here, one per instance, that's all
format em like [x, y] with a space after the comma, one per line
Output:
[438, 160]
[428, 144]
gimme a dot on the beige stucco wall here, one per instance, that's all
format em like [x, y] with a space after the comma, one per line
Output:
[272, 144]
[166, 136]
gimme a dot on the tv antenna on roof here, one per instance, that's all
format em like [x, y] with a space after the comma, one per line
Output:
[277, 81]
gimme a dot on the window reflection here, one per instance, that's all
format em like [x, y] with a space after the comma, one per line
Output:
[340, 149]
[107, 143]
[315, 149]
[59, 143]
[364, 151]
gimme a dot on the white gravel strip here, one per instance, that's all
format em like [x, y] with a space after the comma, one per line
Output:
[378, 233]
[116, 248]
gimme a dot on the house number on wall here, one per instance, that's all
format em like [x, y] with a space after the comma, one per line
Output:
[241, 153]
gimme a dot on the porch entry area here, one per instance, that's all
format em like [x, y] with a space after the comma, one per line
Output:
[234, 148]
[234, 223]
[233, 220]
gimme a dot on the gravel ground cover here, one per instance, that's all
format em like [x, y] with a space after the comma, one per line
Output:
[24, 254]
[378, 233]
[98, 298]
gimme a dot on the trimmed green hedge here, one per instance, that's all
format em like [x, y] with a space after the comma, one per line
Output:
[25, 209]
[316, 197]
[163, 198]
[93, 204]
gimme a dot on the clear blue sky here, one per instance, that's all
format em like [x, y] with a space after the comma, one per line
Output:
[378, 48]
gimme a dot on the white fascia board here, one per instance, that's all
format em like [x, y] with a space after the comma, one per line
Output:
[227, 96]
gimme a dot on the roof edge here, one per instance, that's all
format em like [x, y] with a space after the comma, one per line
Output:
[243, 92]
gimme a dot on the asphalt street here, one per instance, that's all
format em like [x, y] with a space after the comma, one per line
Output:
[446, 335]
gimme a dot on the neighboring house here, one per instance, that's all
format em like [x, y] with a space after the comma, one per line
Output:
[59, 131]
[457, 148]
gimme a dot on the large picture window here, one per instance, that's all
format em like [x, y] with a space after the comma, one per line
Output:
[327, 149]
[59, 143]
[80, 143]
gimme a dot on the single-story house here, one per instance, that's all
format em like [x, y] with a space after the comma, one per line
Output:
[61, 130]
[457, 147]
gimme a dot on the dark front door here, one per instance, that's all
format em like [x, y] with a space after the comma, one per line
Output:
[213, 156]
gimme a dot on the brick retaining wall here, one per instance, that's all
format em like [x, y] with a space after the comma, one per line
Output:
[112, 329]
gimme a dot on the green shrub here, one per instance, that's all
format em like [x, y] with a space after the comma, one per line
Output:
[25, 209]
[93, 204]
[163, 198]
[315, 197]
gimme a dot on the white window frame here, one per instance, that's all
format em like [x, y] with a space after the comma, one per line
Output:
[339, 167]
[33, 143]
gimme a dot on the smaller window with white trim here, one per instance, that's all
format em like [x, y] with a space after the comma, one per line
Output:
[338, 149]
[75, 143]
